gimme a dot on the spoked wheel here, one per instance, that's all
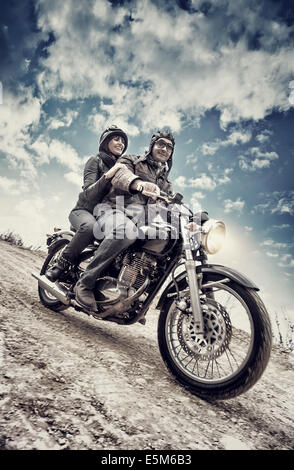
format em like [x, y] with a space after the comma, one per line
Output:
[234, 350]
[46, 297]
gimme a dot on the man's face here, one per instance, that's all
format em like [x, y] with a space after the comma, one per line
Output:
[162, 150]
[116, 145]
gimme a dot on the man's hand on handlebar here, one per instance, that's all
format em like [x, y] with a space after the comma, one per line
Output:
[146, 188]
[150, 190]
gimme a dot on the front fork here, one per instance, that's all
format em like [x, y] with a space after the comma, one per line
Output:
[194, 296]
[190, 265]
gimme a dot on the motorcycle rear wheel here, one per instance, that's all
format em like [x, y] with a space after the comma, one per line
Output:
[47, 298]
[235, 349]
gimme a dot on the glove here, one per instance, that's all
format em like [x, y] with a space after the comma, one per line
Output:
[110, 173]
[150, 189]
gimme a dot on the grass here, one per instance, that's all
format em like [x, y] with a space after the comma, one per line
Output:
[15, 239]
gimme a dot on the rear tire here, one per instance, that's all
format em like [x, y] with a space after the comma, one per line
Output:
[46, 298]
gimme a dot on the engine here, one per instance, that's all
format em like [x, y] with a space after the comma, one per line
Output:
[135, 268]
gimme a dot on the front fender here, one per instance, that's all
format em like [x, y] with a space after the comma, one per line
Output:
[232, 274]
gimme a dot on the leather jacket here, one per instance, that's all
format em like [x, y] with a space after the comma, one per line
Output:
[96, 186]
[142, 167]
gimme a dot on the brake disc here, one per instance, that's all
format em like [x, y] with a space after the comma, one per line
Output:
[217, 332]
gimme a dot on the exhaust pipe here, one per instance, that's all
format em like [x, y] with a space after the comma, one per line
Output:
[54, 289]
[61, 294]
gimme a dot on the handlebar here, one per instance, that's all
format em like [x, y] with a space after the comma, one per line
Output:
[169, 199]
[177, 198]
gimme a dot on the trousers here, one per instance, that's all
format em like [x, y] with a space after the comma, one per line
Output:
[83, 222]
[117, 232]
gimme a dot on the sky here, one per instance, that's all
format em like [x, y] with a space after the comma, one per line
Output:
[219, 74]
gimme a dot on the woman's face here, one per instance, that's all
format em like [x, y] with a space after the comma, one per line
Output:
[116, 145]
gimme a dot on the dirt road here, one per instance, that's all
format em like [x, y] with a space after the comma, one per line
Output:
[71, 382]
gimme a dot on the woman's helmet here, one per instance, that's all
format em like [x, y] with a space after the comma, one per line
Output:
[108, 134]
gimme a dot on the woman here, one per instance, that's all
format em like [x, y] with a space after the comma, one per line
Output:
[98, 172]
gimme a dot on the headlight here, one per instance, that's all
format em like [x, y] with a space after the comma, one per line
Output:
[213, 235]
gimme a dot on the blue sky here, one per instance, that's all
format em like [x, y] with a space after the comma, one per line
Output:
[218, 73]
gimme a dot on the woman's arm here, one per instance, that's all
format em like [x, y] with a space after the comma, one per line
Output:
[91, 172]
[96, 191]
[125, 175]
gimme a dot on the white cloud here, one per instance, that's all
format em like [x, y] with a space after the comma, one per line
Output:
[271, 254]
[210, 148]
[285, 204]
[19, 114]
[286, 261]
[64, 120]
[278, 202]
[57, 150]
[64, 154]
[198, 195]
[196, 201]
[225, 178]
[12, 186]
[203, 182]
[234, 206]
[264, 136]
[112, 114]
[257, 159]
[272, 243]
[255, 151]
[158, 75]
[75, 178]
[28, 219]
[180, 181]
[236, 137]
[280, 227]
[41, 147]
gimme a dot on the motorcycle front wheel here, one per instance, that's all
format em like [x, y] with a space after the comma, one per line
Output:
[233, 352]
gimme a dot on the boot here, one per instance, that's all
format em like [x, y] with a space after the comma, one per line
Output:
[61, 265]
[85, 297]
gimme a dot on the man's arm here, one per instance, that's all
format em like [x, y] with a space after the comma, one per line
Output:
[125, 179]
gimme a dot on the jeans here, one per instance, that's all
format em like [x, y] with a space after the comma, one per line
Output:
[119, 233]
[83, 221]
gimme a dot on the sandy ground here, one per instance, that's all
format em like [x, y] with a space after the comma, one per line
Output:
[69, 381]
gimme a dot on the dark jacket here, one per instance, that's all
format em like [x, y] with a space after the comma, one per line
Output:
[144, 168]
[96, 186]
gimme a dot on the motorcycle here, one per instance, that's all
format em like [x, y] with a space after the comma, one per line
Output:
[214, 332]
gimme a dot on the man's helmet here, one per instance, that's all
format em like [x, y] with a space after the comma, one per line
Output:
[108, 134]
[158, 135]
[161, 134]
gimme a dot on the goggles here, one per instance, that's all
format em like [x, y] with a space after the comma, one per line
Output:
[162, 143]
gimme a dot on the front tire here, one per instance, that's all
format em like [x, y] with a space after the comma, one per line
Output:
[236, 346]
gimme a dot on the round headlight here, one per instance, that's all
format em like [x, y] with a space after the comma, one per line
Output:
[213, 235]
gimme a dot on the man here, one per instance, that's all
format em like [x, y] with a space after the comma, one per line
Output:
[141, 178]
